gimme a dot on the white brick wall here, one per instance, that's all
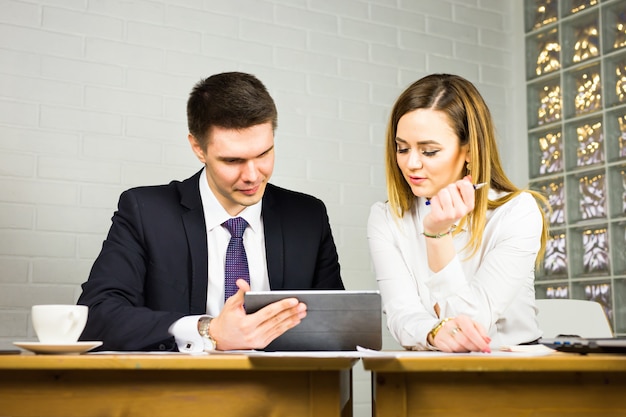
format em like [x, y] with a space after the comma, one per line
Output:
[92, 101]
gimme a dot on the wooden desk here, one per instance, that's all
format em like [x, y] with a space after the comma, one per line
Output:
[174, 385]
[556, 385]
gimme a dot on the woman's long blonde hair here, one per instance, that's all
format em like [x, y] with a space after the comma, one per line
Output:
[471, 120]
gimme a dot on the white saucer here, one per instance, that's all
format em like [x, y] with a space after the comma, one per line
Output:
[78, 347]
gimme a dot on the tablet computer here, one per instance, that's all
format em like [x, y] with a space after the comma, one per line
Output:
[336, 320]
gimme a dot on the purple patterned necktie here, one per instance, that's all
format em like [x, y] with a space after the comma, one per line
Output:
[236, 261]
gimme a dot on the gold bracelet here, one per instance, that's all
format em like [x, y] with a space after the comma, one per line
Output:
[437, 327]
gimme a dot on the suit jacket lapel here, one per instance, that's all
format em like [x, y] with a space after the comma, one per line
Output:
[273, 239]
[195, 228]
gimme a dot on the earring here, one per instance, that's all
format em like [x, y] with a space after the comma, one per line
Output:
[468, 167]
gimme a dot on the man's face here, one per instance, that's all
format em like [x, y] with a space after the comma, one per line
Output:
[239, 163]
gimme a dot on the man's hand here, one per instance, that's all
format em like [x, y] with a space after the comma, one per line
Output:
[234, 329]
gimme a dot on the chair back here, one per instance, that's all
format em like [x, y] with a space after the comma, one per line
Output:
[572, 317]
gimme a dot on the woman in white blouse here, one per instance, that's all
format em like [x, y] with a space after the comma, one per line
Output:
[454, 262]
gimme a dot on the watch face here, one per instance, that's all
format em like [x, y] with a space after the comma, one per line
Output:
[203, 328]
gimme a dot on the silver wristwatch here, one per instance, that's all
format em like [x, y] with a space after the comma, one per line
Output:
[204, 323]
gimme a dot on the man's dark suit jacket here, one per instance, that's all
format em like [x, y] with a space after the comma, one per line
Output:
[153, 266]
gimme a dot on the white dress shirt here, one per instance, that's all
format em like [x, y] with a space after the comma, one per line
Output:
[185, 330]
[495, 287]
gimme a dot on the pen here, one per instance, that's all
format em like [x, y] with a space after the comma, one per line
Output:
[476, 187]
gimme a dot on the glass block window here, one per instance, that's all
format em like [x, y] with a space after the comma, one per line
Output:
[576, 106]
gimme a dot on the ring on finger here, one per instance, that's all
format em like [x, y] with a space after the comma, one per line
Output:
[454, 331]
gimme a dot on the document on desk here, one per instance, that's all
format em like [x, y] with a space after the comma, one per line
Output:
[502, 351]
[293, 354]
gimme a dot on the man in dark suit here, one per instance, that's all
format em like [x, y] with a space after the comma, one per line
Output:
[158, 283]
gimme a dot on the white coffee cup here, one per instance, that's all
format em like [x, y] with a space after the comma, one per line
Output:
[59, 323]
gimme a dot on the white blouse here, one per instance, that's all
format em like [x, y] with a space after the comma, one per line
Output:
[495, 287]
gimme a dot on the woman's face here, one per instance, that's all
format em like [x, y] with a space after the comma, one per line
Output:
[428, 151]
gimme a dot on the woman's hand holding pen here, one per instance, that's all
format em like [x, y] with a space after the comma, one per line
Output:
[448, 206]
